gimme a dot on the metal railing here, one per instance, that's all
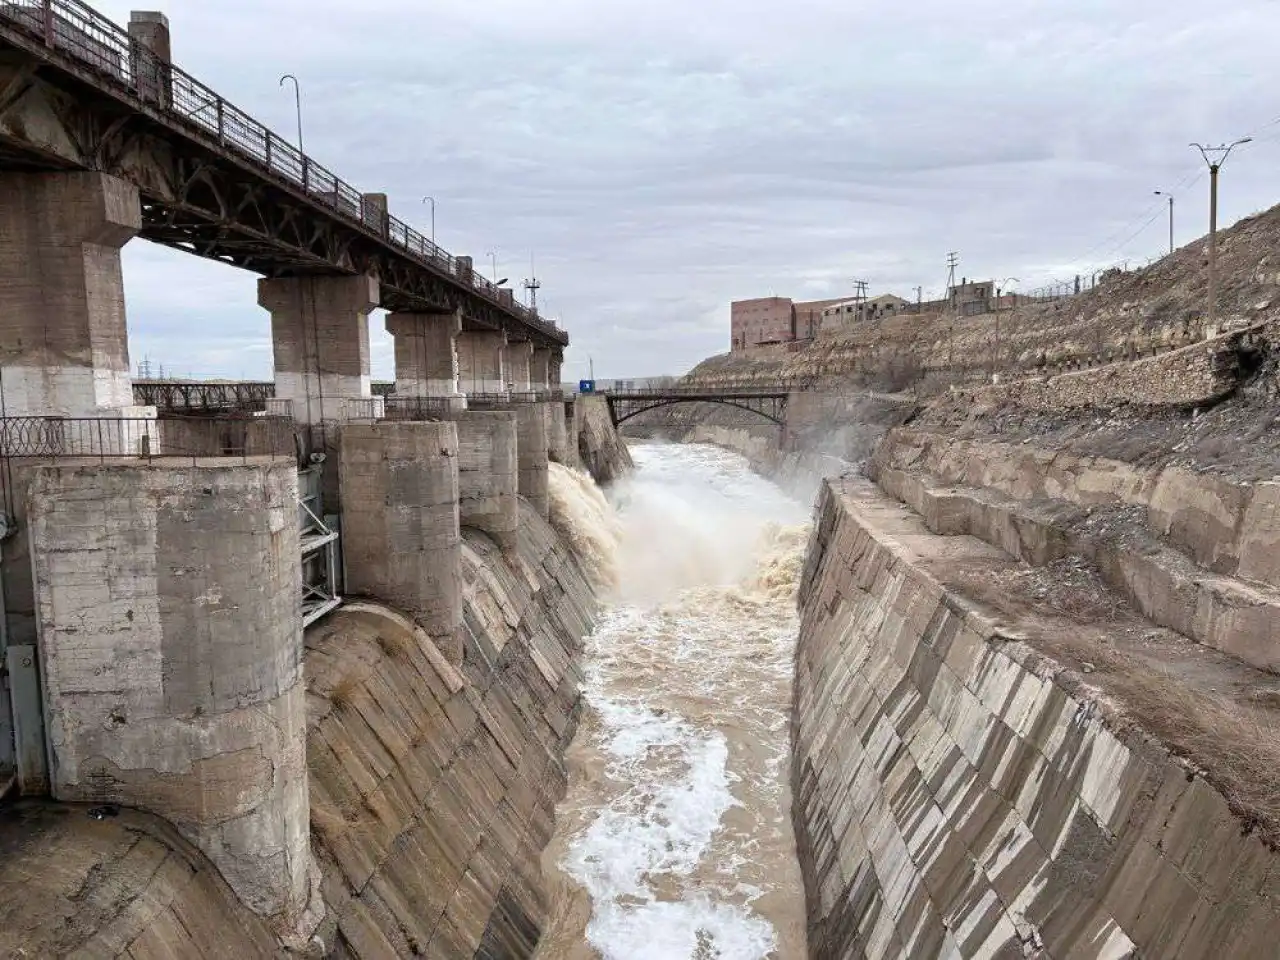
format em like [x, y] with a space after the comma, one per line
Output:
[73, 28]
[419, 408]
[135, 438]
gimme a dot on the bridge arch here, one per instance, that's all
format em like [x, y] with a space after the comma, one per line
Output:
[768, 407]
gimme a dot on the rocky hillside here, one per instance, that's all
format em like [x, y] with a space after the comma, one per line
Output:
[1126, 316]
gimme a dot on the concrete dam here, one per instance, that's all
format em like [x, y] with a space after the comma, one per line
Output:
[888, 646]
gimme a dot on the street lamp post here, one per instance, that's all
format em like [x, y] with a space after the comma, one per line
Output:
[432, 201]
[493, 260]
[297, 103]
[1221, 153]
[1161, 193]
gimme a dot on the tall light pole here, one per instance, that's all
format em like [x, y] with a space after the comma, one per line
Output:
[493, 260]
[1161, 193]
[1220, 155]
[432, 201]
[297, 103]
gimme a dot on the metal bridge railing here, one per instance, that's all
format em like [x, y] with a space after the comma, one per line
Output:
[120, 438]
[80, 32]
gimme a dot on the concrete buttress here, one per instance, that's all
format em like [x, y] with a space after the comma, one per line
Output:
[400, 522]
[488, 486]
[531, 436]
[171, 647]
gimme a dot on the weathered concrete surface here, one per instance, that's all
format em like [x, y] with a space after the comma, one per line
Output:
[482, 361]
[962, 793]
[488, 473]
[320, 341]
[1225, 526]
[400, 526]
[559, 448]
[517, 357]
[433, 787]
[170, 649]
[63, 344]
[127, 886]
[1238, 618]
[531, 452]
[426, 354]
[601, 451]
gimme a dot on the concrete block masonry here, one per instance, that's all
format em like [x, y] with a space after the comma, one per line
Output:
[960, 791]
[170, 644]
[488, 473]
[400, 522]
[531, 432]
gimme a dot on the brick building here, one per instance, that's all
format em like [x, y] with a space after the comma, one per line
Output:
[842, 313]
[771, 320]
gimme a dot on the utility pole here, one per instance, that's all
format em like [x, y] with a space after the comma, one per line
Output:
[860, 299]
[1215, 164]
[532, 285]
[1161, 193]
[953, 261]
[432, 201]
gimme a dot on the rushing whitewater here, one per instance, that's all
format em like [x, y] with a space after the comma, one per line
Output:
[675, 839]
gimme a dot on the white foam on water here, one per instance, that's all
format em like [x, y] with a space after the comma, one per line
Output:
[675, 823]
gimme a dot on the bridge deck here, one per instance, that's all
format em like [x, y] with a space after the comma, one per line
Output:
[77, 92]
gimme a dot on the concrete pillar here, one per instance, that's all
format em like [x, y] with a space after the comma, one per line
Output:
[151, 55]
[540, 369]
[320, 337]
[488, 485]
[64, 348]
[554, 367]
[400, 526]
[427, 355]
[374, 211]
[170, 641]
[517, 359]
[481, 359]
[531, 444]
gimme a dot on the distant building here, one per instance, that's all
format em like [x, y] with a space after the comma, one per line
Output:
[971, 298]
[845, 313]
[773, 320]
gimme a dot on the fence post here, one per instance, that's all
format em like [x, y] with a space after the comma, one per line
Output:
[268, 140]
[221, 127]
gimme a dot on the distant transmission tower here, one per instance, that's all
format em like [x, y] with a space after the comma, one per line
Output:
[532, 285]
[860, 299]
[953, 261]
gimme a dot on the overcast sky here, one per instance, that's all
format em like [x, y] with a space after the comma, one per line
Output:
[663, 158]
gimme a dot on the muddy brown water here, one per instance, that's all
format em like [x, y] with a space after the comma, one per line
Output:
[674, 840]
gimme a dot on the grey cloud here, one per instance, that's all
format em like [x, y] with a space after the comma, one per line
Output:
[664, 158]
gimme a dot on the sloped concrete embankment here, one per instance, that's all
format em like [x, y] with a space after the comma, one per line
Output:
[997, 759]
[433, 786]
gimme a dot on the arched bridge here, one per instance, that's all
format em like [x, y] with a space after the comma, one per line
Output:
[767, 402]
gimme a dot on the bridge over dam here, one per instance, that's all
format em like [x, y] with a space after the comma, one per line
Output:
[188, 570]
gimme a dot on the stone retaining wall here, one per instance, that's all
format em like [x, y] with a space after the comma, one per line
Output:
[960, 794]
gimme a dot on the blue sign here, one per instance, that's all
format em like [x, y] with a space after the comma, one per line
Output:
[586, 386]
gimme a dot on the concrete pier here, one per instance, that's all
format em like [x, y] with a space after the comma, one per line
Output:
[400, 523]
[63, 345]
[531, 437]
[427, 356]
[517, 356]
[482, 360]
[540, 369]
[320, 337]
[170, 643]
[488, 465]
